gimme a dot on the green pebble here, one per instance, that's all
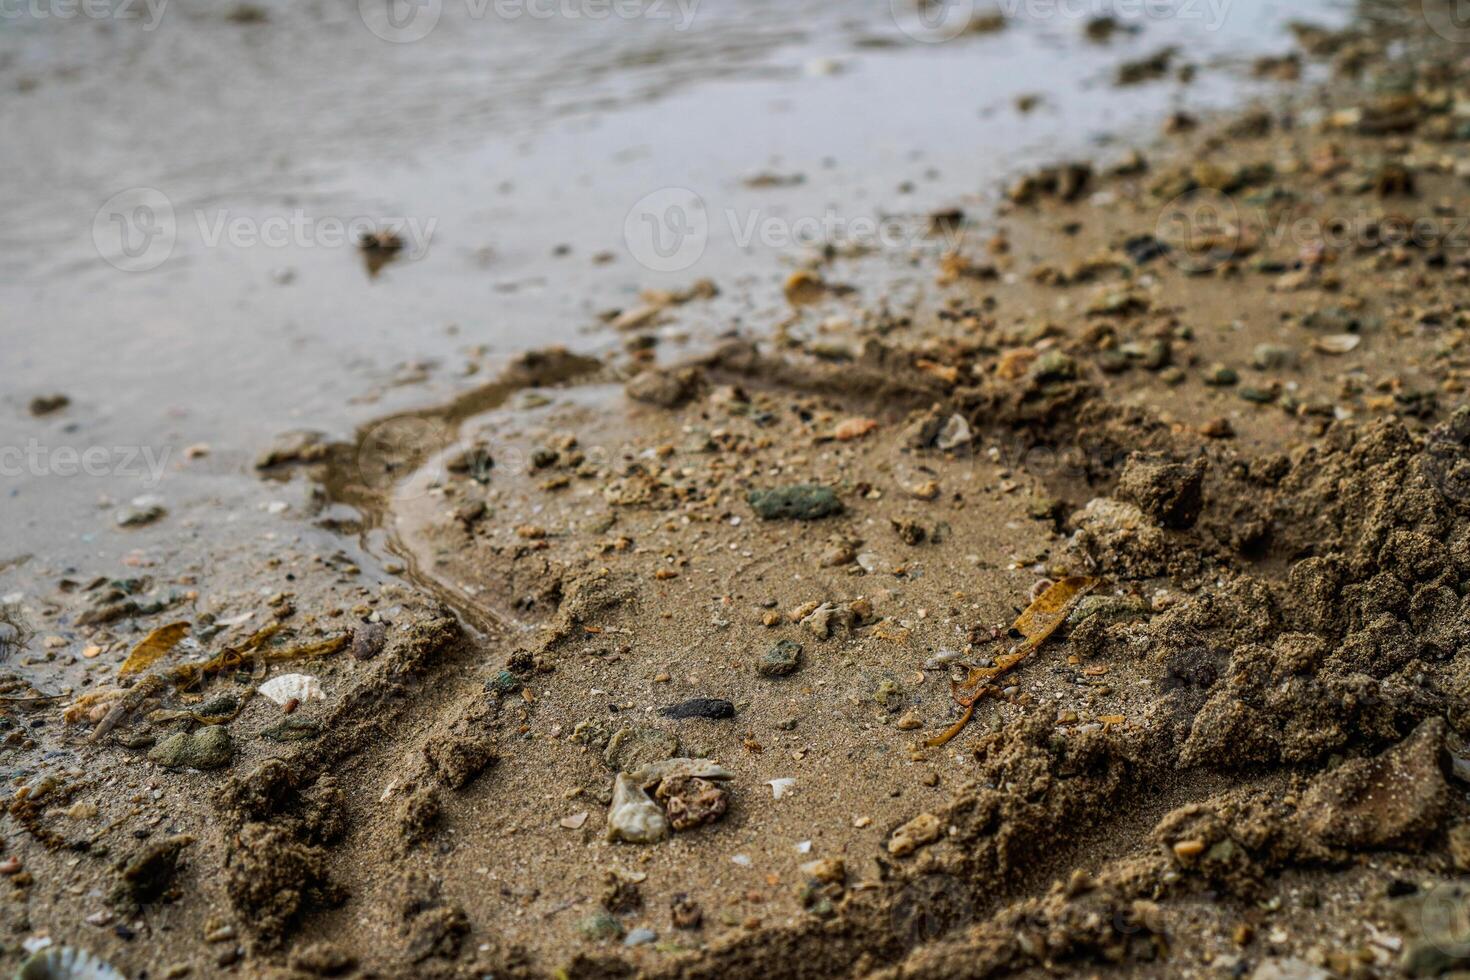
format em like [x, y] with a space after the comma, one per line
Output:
[207, 748]
[600, 927]
[801, 502]
[780, 660]
[1053, 365]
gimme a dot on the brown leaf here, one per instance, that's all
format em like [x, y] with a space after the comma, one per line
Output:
[152, 647]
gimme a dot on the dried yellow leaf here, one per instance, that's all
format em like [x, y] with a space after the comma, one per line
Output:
[152, 647]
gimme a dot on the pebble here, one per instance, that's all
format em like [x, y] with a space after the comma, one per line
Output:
[46, 404]
[1272, 357]
[714, 708]
[144, 510]
[640, 937]
[600, 927]
[800, 502]
[207, 748]
[10, 866]
[782, 659]
[1221, 375]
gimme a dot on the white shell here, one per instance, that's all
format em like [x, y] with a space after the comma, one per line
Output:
[780, 787]
[302, 687]
[1338, 343]
[956, 433]
[67, 963]
[634, 817]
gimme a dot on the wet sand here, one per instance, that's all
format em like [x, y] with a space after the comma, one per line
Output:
[1240, 752]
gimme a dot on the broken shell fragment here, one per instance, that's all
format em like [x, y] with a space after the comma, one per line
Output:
[634, 817]
[66, 963]
[1337, 343]
[654, 773]
[297, 687]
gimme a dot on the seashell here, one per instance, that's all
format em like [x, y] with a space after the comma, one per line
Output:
[634, 817]
[302, 687]
[656, 772]
[1338, 343]
[780, 787]
[66, 963]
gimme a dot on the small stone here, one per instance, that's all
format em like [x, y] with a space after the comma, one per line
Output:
[1188, 849]
[713, 708]
[1220, 375]
[780, 660]
[685, 912]
[640, 937]
[298, 446]
[909, 721]
[143, 511]
[666, 388]
[600, 927]
[801, 502]
[1217, 428]
[1053, 365]
[46, 404]
[849, 430]
[368, 640]
[207, 748]
[322, 959]
[1272, 357]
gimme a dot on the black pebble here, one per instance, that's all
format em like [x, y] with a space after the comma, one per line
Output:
[700, 708]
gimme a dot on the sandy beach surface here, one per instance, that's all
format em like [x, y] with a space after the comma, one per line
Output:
[778, 490]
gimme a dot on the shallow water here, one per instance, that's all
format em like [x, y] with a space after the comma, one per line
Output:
[185, 187]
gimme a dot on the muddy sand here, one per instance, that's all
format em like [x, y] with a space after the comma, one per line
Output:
[1106, 616]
